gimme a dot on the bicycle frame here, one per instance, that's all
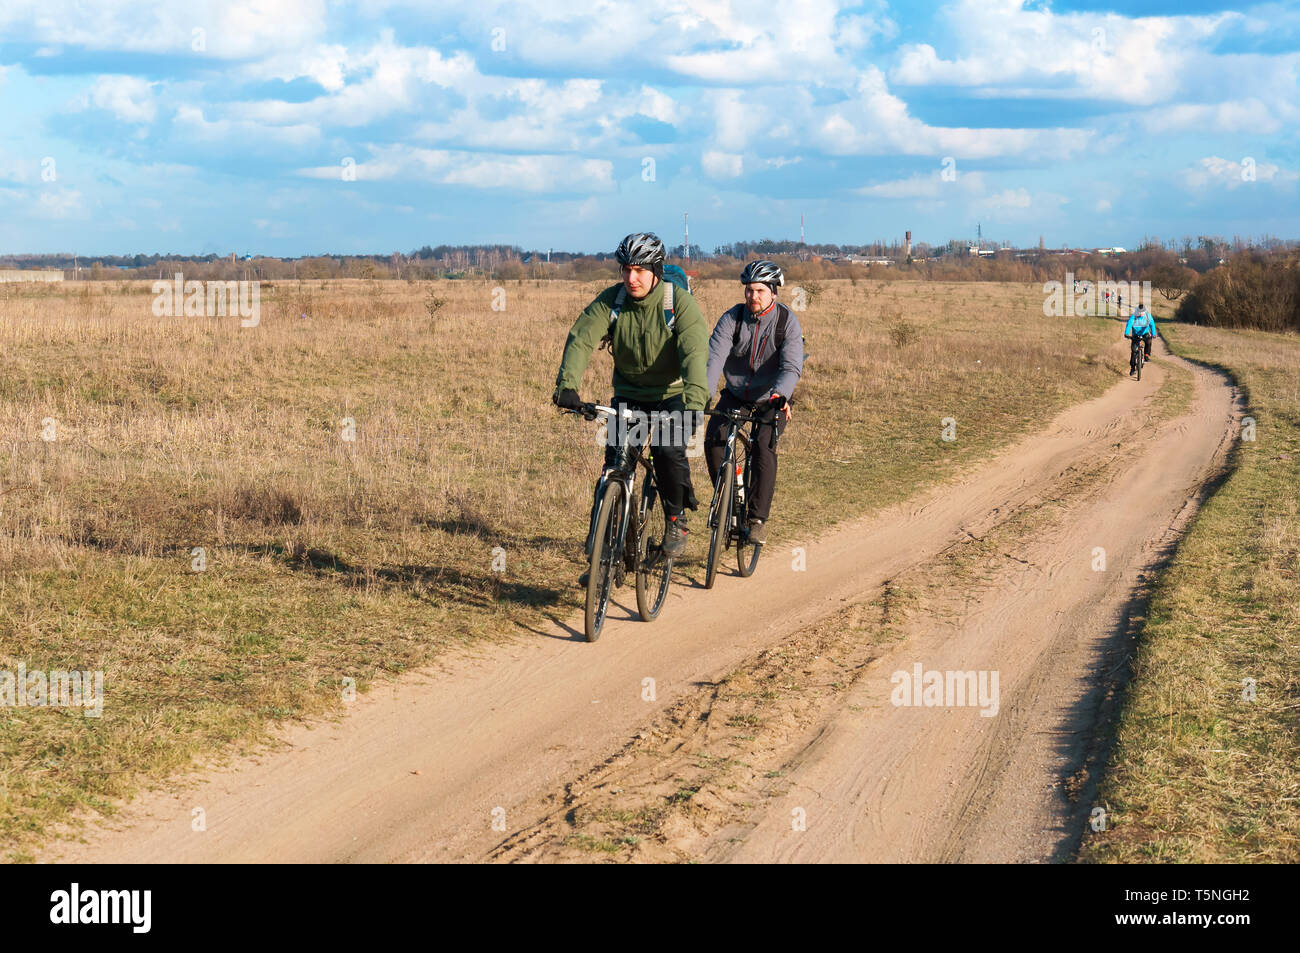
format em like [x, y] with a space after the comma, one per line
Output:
[624, 470]
[729, 460]
[1137, 352]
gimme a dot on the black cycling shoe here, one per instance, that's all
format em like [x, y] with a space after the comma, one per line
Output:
[674, 543]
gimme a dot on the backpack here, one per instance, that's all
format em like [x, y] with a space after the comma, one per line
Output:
[673, 278]
[782, 315]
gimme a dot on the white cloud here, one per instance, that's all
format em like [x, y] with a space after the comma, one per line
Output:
[658, 106]
[932, 186]
[361, 86]
[1027, 52]
[1010, 198]
[1213, 170]
[62, 203]
[129, 98]
[1249, 116]
[856, 32]
[747, 88]
[528, 173]
[232, 28]
[876, 122]
[191, 120]
[722, 165]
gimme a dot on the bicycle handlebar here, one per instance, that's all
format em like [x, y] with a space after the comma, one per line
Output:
[591, 410]
[743, 416]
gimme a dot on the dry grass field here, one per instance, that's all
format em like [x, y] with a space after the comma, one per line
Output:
[353, 466]
[1205, 769]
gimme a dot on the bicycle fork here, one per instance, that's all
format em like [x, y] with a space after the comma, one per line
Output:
[597, 495]
[727, 468]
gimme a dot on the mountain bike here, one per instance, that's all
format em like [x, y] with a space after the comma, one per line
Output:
[731, 492]
[618, 540]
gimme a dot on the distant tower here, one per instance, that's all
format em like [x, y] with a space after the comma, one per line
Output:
[687, 217]
[801, 241]
[907, 244]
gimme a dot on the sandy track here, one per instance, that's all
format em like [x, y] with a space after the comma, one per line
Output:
[418, 767]
[893, 783]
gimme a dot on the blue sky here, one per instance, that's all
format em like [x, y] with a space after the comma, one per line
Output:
[292, 127]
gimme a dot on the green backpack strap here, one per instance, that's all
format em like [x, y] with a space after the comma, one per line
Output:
[670, 313]
[607, 342]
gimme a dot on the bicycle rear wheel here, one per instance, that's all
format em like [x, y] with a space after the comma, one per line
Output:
[600, 579]
[720, 519]
[654, 570]
[747, 552]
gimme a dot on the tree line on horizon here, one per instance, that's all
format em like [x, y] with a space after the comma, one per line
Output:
[1200, 254]
[1235, 284]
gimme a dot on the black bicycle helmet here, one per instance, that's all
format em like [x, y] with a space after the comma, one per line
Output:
[768, 272]
[643, 249]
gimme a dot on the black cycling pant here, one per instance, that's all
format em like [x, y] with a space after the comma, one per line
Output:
[762, 482]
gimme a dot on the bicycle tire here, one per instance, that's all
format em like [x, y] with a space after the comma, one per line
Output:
[653, 572]
[746, 552]
[720, 531]
[1141, 359]
[600, 579]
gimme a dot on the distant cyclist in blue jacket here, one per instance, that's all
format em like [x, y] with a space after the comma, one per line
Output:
[1141, 324]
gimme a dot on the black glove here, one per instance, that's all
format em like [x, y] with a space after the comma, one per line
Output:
[568, 399]
[777, 401]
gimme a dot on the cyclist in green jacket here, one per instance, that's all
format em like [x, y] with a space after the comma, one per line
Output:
[660, 364]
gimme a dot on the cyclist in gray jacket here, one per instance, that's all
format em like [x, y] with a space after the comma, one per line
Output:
[757, 349]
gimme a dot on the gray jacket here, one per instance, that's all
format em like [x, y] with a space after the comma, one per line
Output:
[755, 368]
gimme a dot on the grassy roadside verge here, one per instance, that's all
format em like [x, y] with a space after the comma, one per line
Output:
[1204, 768]
[329, 558]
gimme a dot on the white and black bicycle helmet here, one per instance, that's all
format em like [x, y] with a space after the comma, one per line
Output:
[643, 249]
[767, 272]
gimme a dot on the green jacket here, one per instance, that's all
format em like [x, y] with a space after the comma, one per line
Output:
[651, 362]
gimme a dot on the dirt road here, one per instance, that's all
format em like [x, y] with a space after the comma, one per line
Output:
[479, 759]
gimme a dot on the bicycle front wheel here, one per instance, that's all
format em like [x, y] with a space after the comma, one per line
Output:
[720, 519]
[653, 568]
[747, 552]
[600, 577]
